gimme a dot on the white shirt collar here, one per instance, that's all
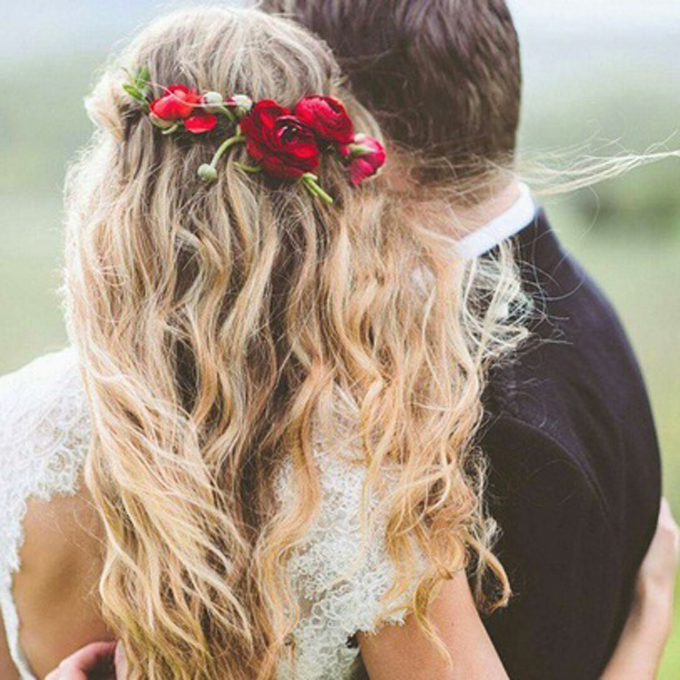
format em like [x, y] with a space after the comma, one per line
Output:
[501, 228]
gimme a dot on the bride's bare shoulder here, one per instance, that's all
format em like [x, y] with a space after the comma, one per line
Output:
[56, 589]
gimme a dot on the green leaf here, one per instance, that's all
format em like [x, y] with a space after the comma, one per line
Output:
[142, 78]
[134, 92]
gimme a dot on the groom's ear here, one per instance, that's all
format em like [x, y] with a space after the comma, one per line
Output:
[443, 76]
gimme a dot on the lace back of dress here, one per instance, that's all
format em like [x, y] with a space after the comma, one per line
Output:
[339, 574]
[44, 434]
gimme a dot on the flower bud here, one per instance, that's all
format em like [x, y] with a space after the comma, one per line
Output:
[212, 102]
[160, 123]
[207, 173]
[240, 104]
[359, 150]
[367, 156]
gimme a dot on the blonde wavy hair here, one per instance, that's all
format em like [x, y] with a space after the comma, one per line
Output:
[216, 323]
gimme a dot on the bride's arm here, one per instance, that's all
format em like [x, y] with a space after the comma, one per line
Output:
[403, 653]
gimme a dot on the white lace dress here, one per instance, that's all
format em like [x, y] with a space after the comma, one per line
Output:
[44, 435]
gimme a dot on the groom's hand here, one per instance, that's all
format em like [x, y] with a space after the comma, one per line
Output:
[643, 641]
[655, 587]
[660, 566]
[97, 661]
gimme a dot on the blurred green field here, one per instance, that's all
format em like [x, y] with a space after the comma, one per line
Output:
[627, 233]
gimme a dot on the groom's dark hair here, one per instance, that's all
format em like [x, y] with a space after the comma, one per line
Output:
[443, 76]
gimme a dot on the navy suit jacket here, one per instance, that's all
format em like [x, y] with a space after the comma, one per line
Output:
[574, 473]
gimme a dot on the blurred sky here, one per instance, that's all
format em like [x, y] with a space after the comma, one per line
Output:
[620, 17]
[47, 26]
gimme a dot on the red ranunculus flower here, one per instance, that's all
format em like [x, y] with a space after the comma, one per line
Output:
[367, 156]
[200, 123]
[327, 117]
[281, 144]
[177, 103]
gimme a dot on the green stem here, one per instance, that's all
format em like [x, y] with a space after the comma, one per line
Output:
[253, 170]
[309, 181]
[228, 143]
[227, 113]
[169, 131]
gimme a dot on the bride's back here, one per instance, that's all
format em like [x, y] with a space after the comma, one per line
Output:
[56, 590]
[53, 550]
[52, 546]
[271, 401]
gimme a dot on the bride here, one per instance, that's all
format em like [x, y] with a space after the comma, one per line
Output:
[256, 460]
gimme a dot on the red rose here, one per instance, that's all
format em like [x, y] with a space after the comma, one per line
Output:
[327, 117]
[281, 144]
[177, 103]
[366, 156]
[200, 123]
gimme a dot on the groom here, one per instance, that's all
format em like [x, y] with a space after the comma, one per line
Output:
[574, 462]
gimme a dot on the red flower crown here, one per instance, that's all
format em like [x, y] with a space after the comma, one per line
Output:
[284, 145]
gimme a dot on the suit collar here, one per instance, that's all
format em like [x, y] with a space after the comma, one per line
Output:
[537, 244]
[503, 227]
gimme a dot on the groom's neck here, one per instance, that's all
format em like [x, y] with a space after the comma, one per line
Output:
[470, 218]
